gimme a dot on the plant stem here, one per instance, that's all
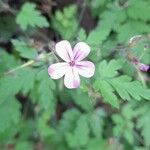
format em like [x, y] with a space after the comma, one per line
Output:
[30, 62]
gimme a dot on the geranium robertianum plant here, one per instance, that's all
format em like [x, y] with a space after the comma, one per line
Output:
[101, 49]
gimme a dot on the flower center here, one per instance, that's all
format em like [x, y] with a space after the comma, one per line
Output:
[72, 63]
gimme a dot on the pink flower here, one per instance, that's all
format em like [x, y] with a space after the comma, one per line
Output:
[143, 67]
[73, 66]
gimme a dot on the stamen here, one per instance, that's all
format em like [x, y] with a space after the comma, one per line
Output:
[72, 63]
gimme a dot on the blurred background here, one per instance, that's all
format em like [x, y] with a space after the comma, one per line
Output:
[38, 113]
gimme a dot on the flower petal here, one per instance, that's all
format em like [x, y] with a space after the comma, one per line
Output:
[85, 68]
[72, 79]
[80, 51]
[143, 67]
[57, 70]
[64, 50]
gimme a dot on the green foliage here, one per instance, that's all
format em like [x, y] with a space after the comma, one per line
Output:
[29, 16]
[97, 36]
[12, 90]
[123, 123]
[45, 90]
[125, 19]
[139, 10]
[24, 50]
[65, 22]
[7, 25]
[80, 135]
[5, 64]
[96, 122]
[81, 99]
[109, 82]
[23, 146]
[143, 122]
[109, 111]
[10, 112]
[23, 81]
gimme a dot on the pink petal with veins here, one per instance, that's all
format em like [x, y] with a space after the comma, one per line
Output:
[57, 70]
[73, 67]
[71, 79]
[85, 68]
[80, 51]
[64, 50]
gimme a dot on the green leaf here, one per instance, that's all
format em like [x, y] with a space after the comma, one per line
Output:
[45, 89]
[97, 36]
[108, 93]
[82, 131]
[29, 16]
[6, 83]
[112, 19]
[82, 35]
[138, 49]
[80, 136]
[109, 83]
[23, 146]
[124, 126]
[82, 99]
[97, 144]
[68, 120]
[143, 124]
[139, 10]
[7, 25]
[125, 87]
[130, 29]
[98, 3]
[96, 122]
[23, 81]
[109, 70]
[65, 22]
[7, 61]
[43, 127]
[24, 50]
[26, 77]
[9, 113]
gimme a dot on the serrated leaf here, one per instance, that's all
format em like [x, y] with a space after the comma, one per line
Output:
[67, 123]
[109, 83]
[9, 113]
[23, 81]
[139, 10]
[82, 35]
[143, 124]
[126, 88]
[29, 16]
[45, 90]
[65, 22]
[6, 83]
[107, 93]
[130, 29]
[82, 131]
[82, 99]
[97, 36]
[96, 122]
[123, 123]
[5, 64]
[80, 135]
[25, 50]
[110, 69]
[26, 77]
